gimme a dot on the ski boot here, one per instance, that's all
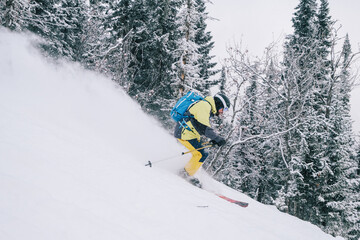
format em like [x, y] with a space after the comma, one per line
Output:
[191, 179]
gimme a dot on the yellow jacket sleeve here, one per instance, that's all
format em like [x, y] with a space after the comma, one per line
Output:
[201, 112]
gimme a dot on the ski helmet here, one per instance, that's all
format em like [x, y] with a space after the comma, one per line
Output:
[221, 101]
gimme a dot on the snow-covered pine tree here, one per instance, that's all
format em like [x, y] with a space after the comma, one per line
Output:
[41, 13]
[341, 191]
[299, 49]
[252, 167]
[117, 29]
[139, 45]
[95, 39]
[13, 14]
[358, 157]
[316, 131]
[246, 163]
[41, 22]
[68, 29]
[275, 169]
[222, 80]
[322, 160]
[263, 126]
[303, 141]
[203, 38]
[60, 23]
[232, 81]
[323, 33]
[240, 162]
[154, 81]
[188, 55]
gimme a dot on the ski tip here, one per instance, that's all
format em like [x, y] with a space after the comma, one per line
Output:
[240, 203]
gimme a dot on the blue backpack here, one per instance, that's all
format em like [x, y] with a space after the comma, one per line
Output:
[181, 106]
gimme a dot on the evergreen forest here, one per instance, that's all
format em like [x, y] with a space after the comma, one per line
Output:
[290, 141]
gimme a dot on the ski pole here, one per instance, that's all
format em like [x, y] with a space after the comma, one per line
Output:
[207, 146]
[183, 153]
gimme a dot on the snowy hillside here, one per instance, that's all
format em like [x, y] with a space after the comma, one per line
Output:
[72, 153]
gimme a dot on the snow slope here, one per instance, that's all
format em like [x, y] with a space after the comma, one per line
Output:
[72, 153]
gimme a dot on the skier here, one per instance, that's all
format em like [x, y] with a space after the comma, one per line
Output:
[198, 124]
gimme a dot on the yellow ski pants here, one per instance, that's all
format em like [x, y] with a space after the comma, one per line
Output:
[198, 157]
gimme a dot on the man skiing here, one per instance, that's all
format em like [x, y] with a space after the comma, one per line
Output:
[197, 125]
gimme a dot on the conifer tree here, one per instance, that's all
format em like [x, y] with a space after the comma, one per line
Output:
[275, 168]
[292, 142]
[323, 29]
[240, 168]
[96, 45]
[222, 80]
[154, 81]
[194, 60]
[246, 162]
[188, 55]
[316, 131]
[323, 158]
[119, 24]
[60, 23]
[323, 46]
[13, 14]
[300, 46]
[142, 42]
[341, 194]
[203, 39]
[250, 156]
[358, 158]
[68, 29]
[42, 20]
[298, 78]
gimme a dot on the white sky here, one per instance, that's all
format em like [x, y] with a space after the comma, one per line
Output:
[257, 23]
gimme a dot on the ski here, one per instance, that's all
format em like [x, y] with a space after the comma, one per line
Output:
[195, 182]
[240, 203]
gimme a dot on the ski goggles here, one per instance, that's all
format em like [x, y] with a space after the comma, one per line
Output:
[224, 110]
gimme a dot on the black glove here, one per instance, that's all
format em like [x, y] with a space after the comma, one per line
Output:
[218, 141]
